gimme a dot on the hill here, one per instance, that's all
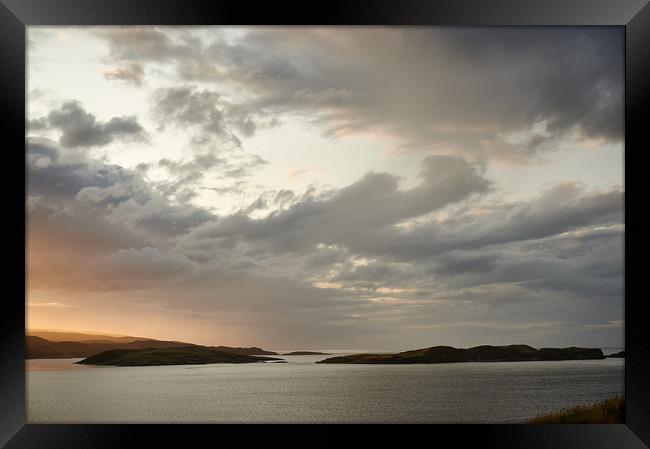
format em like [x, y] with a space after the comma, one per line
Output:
[247, 351]
[187, 355]
[55, 335]
[486, 353]
[41, 348]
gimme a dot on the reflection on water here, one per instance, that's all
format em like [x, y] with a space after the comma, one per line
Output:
[53, 364]
[301, 391]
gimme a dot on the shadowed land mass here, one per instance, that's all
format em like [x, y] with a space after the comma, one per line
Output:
[86, 337]
[41, 348]
[187, 355]
[486, 353]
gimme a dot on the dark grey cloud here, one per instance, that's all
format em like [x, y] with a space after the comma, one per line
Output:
[183, 106]
[39, 124]
[186, 177]
[169, 47]
[568, 246]
[490, 266]
[595, 270]
[566, 76]
[463, 91]
[594, 274]
[560, 209]
[364, 219]
[373, 202]
[461, 262]
[59, 174]
[475, 290]
[80, 128]
[377, 274]
[104, 225]
[208, 112]
[121, 196]
[53, 221]
[528, 280]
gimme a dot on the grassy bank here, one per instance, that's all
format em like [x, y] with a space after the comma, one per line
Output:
[610, 411]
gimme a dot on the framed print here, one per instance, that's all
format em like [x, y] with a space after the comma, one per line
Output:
[354, 222]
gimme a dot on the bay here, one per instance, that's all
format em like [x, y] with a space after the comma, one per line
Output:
[301, 391]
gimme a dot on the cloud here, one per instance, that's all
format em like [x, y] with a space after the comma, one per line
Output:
[364, 236]
[128, 72]
[118, 196]
[562, 208]
[47, 304]
[373, 202]
[79, 128]
[384, 262]
[541, 257]
[142, 44]
[58, 173]
[129, 267]
[186, 177]
[548, 267]
[465, 92]
[83, 210]
[209, 112]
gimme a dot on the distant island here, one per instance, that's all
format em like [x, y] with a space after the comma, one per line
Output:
[186, 355]
[246, 351]
[40, 348]
[58, 345]
[306, 353]
[55, 335]
[486, 353]
[138, 351]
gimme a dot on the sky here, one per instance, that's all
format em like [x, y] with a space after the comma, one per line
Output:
[378, 188]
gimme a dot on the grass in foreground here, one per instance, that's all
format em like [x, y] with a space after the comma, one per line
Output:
[610, 411]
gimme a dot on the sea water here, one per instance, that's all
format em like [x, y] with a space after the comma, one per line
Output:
[301, 391]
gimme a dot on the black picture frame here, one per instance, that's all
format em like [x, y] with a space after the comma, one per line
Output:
[15, 15]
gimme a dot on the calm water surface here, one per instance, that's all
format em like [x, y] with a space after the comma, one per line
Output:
[301, 391]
